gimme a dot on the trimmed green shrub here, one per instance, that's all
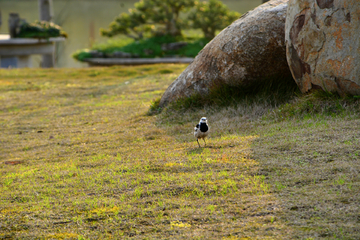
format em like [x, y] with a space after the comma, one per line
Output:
[39, 29]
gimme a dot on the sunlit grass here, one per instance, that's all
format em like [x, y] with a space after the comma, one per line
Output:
[93, 164]
[82, 158]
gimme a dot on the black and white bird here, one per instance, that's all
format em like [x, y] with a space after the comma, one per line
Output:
[201, 130]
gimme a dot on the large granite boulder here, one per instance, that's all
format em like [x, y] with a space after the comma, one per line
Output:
[249, 51]
[323, 44]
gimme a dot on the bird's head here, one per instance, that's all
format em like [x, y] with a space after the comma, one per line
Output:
[203, 120]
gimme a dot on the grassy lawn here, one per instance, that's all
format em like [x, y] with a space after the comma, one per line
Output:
[81, 158]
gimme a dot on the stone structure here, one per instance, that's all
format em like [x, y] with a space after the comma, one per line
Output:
[249, 51]
[45, 14]
[323, 44]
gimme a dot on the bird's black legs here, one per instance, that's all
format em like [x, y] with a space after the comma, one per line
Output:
[199, 143]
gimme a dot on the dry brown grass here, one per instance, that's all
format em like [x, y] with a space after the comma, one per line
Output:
[81, 159]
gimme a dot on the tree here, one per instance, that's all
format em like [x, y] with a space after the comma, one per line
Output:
[132, 24]
[156, 16]
[211, 16]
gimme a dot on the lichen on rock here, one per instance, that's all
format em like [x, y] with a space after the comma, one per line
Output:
[322, 44]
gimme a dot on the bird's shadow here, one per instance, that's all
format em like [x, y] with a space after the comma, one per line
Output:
[195, 150]
[199, 150]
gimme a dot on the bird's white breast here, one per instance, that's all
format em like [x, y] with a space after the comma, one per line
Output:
[200, 134]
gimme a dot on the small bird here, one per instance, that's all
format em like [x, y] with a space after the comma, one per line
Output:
[201, 130]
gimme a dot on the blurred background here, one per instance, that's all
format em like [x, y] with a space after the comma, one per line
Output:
[81, 20]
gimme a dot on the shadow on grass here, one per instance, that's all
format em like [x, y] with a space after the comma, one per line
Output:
[200, 150]
[272, 91]
[196, 150]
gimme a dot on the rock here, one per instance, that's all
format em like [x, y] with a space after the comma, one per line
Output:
[13, 162]
[14, 22]
[119, 54]
[323, 44]
[248, 52]
[148, 51]
[173, 46]
[96, 54]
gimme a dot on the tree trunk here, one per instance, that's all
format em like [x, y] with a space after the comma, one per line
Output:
[171, 27]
